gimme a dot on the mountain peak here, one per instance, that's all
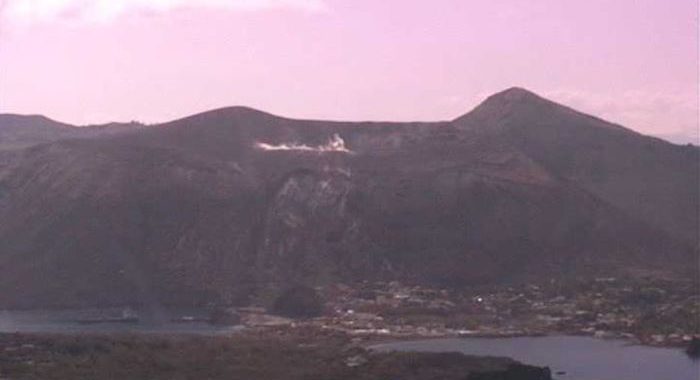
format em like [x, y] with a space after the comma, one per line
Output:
[224, 113]
[518, 108]
[514, 97]
[515, 94]
[508, 103]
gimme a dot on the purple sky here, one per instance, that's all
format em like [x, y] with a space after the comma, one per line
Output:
[91, 61]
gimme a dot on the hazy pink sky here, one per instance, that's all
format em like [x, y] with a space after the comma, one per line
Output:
[90, 61]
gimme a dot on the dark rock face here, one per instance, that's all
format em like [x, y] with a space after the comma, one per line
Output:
[514, 372]
[217, 206]
[693, 349]
[438, 365]
[224, 317]
[298, 302]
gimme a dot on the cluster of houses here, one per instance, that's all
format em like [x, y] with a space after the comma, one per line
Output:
[648, 312]
[605, 308]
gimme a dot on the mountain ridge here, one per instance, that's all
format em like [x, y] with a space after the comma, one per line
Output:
[504, 96]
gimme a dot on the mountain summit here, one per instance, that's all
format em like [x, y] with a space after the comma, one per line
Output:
[519, 108]
[198, 210]
[513, 96]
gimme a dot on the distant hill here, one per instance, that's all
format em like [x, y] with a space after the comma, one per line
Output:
[21, 131]
[217, 206]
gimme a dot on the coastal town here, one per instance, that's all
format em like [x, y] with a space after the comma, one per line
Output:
[330, 332]
[658, 313]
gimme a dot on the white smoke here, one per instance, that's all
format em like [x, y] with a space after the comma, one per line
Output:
[335, 144]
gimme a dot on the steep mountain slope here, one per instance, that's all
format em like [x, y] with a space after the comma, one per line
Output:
[649, 178]
[217, 206]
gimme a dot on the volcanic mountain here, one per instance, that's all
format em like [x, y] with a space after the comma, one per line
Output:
[219, 206]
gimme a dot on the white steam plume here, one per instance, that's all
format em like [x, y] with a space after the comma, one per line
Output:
[335, 144]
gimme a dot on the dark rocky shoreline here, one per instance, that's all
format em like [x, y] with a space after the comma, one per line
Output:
[271, 355]
[514, 372]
